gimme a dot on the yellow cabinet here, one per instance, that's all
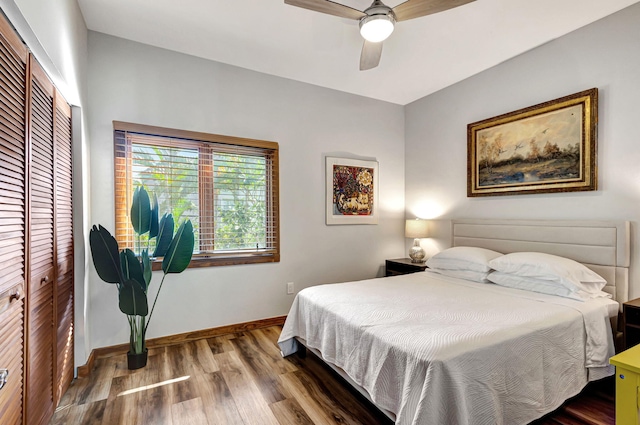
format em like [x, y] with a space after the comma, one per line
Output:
[627, 366]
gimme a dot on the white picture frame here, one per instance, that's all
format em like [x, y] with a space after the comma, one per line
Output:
[351, 191]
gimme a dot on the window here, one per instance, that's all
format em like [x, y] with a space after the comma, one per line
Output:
[226, 186]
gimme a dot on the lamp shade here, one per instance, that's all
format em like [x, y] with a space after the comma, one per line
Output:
[416, 229]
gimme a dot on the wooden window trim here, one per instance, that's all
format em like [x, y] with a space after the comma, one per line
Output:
[211, 260]
[193, 135]
[207, 259]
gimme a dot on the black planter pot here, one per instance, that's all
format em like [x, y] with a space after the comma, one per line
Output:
[137, 361]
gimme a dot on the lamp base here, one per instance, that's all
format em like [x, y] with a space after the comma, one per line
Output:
[416, 253]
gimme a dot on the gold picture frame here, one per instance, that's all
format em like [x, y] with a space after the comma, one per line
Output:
[550, 147]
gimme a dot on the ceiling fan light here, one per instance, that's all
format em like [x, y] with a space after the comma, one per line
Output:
[376, 28]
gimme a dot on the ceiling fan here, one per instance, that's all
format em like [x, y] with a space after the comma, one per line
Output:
[378, 20]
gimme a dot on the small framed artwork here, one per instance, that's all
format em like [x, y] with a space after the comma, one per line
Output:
[550, 147]
[352, 191]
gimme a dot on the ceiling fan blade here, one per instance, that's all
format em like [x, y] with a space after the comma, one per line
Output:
[416, 8]
[370, 56]
[329, 7]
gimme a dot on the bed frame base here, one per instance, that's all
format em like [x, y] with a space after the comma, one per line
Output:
[302, 351]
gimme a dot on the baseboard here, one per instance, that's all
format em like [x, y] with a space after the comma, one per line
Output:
[163, 341]
[84, 370]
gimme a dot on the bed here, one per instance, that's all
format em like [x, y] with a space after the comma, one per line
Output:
[432, 349]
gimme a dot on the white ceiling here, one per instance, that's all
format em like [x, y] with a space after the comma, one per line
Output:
[421, 56]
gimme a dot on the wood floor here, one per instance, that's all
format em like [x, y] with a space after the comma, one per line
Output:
[242, 379]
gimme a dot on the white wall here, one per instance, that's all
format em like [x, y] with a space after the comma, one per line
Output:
[605, 55]
[57, 36]
[142, 84]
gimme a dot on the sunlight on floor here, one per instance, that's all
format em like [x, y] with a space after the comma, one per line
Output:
[159, 384]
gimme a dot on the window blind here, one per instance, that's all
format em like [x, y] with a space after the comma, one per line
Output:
[227, 188]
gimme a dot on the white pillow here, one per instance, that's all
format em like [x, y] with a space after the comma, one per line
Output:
[543, 286]
[465, 274]
[463, 258]
[571, 274]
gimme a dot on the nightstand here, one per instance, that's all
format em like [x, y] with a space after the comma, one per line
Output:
[631, 321]
[402, 266]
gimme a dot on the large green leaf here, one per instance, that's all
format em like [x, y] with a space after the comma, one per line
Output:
[179, 254]
[104, 251]
[153, 223]
[165, 234]
[131, 267]
[132, 299]
[140, 211]
[146, 268]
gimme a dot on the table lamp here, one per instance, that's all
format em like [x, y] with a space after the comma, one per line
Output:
[416, 229]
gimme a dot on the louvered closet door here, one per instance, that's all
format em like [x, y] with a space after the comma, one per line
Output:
[13, 58]
[63, 294]
[40, 317]
[11, 329]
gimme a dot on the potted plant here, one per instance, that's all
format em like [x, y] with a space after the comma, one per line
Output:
[131, 272]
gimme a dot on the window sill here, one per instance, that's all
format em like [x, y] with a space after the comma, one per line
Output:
[214, 261]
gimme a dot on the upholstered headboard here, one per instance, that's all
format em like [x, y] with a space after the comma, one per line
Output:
[603, 246]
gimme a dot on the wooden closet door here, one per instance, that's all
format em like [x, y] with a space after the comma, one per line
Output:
[63, 290]
[40, 258]
[13, 77]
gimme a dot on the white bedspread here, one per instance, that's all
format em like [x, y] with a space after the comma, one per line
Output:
[438, 350]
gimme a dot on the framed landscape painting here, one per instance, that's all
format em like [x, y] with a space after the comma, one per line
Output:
[550, 147]
[351, 191]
